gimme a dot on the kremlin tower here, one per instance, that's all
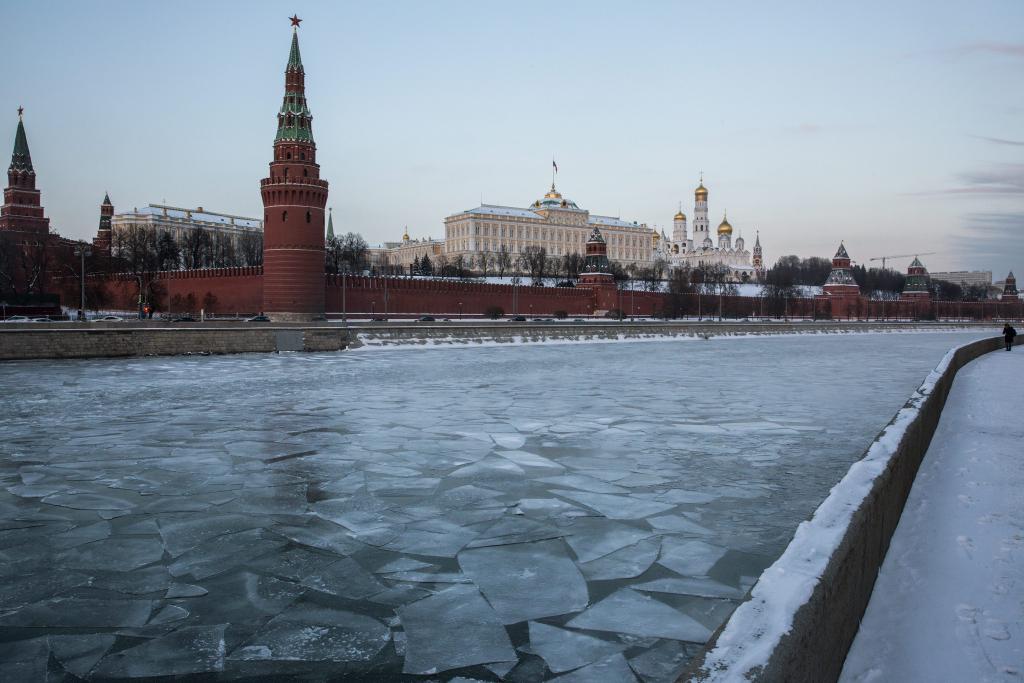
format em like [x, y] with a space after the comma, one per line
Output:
[21, 210]
[1010, 289]
[917, 284]
[294, 198]
[101, 242]
[758, 260]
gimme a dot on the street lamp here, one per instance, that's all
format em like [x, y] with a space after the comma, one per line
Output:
[460, 310]
[82, 250]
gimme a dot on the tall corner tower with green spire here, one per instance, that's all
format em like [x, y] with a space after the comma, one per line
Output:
[22, 210]
[294, 201]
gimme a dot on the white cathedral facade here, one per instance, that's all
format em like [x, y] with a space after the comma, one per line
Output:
[700, 249]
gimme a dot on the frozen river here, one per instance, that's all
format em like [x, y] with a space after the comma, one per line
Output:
[592, 511]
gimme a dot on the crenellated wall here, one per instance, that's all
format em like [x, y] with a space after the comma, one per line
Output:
[226, 291]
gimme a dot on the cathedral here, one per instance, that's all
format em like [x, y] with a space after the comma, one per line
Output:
[701, 251]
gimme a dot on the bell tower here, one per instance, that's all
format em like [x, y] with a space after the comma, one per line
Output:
[294, 201]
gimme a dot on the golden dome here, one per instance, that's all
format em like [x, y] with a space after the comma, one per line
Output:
[680, 216]
[655, 236]
[724, 228]
[701, 192]
[405, 235]
[553, 193]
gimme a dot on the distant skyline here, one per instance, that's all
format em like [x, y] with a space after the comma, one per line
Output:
[897, 127]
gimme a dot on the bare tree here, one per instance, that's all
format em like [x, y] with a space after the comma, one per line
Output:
[572, 265]
[535, 262]
[484, 261]
[503, 261]
[250, 249]
[222, 251]
[196, 246]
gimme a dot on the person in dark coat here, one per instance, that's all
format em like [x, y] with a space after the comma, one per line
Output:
[1008, 334]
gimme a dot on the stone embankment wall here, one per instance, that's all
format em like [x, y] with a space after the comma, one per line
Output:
[31, 344]
[152, 338]
[802, 616]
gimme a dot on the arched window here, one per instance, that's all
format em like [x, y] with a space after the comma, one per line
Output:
[302, 155]
[284, 216]
[288, 155]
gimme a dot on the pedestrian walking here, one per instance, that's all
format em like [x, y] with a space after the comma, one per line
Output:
[1008, 334]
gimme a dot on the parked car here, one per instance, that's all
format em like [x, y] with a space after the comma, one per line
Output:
[379, 320]
[517, 319]
[111, 318]
[578, 320]
[183, 319]
[258, 319]
[18, 319]
[427, 319]
[41, 320]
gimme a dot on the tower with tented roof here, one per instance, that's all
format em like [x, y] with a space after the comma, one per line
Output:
[1010, 289]
[918, 283]
[294, 202]
[101, 242]
[22, 210]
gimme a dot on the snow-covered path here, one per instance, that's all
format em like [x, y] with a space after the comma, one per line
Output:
[949, 601]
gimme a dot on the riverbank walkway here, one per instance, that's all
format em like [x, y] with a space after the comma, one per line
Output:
[948, 604]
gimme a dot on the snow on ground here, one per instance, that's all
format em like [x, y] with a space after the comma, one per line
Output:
[949, 601]
[590, 511]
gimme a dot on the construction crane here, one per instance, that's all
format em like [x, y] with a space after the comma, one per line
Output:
[883, 259]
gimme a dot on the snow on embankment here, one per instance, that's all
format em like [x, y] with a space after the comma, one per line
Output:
[499, 335]
[803, 613]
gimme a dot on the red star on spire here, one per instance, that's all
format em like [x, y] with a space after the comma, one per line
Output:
[295, 20]
[21, 110]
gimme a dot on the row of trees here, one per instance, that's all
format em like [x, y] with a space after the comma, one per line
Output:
[791, 273]
[139, 248]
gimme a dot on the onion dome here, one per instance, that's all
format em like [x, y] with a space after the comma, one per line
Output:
[700, 194]
[680, 216]
[405, 236]
[724, 228]
[655, 236]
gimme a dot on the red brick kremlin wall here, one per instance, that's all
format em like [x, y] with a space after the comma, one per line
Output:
[240, 290]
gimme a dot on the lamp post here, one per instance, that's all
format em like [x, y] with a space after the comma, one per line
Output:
[344, 309]
[460, 310]
[82, 250]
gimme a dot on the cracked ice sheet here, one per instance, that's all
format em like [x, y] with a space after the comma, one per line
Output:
[689, 558]
[565, 650]
[615, 507]
[316, 634]
[613, 669]
[627, 611]
[453, 629]
[526, 580]
[626, 563]
[591, 538]
[188, 650]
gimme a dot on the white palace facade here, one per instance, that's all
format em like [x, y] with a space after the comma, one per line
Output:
[561, 227]
[553, 222]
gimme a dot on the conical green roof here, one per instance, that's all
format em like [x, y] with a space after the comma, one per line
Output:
[330, 225]
[294, 58]
[106, 198]
[21, 160]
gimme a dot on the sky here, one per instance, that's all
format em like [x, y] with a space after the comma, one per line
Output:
[896, 127]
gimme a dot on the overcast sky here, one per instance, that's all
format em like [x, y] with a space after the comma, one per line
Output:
[897, 127]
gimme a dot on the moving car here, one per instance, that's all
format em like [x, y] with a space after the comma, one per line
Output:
[258, 319]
